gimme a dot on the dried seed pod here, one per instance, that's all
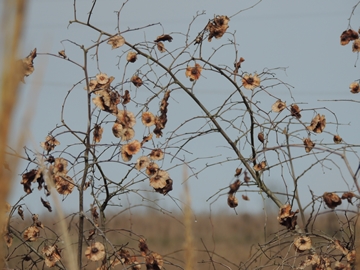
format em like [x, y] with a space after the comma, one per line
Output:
[261, 137]
[95, 252]
[348, 196]
[234, 187]
[295, 111]
[309, 145]
[286, 217]
[278, 106]
[354, 87]
[302, 243]
[131, 57]
[193, 72]
[161, 47]
[337, 139]
[232, 201]
[238, 172]
[318, 124]
[62, 54]
[250, 82]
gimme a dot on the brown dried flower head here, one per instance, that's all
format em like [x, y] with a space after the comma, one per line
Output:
[148, 119]
[309, 145]
[278, 106]
[354, 87]
[127, 134]
[125, 258]
[351, 256]
[217, 27]
[245, 197]
[146, 138]
[295, 111]
[318, 124]
[337, 139]
[313, 260]
[64, 184]
[340, 247]
[126, 97]
[26, 65]
[50, 143]
[331, 199]
[234, 187]
[161, 47]
[158, 180]
[302, 243]
[117, 129]
[60, 166]
[193, 72]
[167, 188]
[152, 169]
[157, 154]
[154, 261]
[136, 81]
[52, 255]
[250, 82]
[143, 247]
[286, 217]
[132, 148]
[131, 57]
[97, 134]
[356, 45]
[116, 42]
[126, 118]
[95, 252]
[163, 38]
[125, 156]
[232, 201]
[92, 85]
[30, 177]
[142, 163]
[347, 36]
[8, 238]
[107, 100]
[102, 78]
[31, 234]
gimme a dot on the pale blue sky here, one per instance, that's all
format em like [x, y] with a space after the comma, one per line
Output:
[302, 36]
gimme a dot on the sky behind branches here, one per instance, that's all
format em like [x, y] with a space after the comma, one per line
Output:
[298, 39]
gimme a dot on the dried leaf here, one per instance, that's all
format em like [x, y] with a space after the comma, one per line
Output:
[163, 38]
[46, 204]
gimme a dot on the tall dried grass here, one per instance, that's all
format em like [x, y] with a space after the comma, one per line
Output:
[12, 25]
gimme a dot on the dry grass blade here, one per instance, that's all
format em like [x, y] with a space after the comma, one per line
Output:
[11, 26]
[189, 252]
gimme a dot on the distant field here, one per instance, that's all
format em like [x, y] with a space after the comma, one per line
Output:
[220, 241]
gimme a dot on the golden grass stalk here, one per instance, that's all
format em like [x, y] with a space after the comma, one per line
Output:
[12, 23]
[189, 251]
